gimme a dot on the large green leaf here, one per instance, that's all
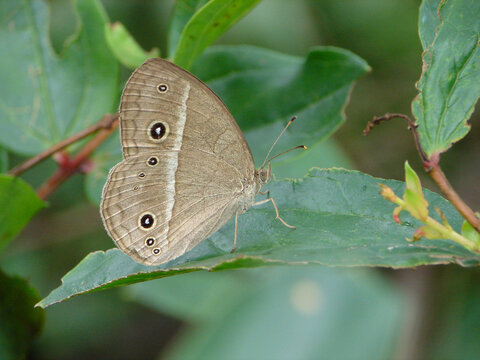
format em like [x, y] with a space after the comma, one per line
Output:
[45, 97]
[296, 313]
[450, 83]
[263, 89]
[341, 220]
[18, 205]
[205, 26]
[20, 322]
[197, 297]
[456, 315]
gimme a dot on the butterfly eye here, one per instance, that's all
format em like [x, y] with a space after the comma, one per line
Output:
[152, 161]
[158, 131]
[150, 242]
[162, 88]
[146, 221]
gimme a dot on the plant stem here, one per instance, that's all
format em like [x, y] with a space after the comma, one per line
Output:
[451, 234]
[446, 230]
[411, 126]
[441, 180]
[106, 122]
[74, 165]
[432, 167]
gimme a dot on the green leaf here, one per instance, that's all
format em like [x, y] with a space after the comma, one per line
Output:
[470, 233]
[182, 13]
[3, 161]
[19, 204]
[341, 220]
[125, 48]
[195, 297]
[45, 97]
[324, 310]
[20, 322]
[414, 200]
[428, 21]
[412, 182]
[457, 295]
[416, 205]
[206, 25]
[450, 83]
[263, 89]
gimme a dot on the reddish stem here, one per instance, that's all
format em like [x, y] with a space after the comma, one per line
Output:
[69, 167]
[106, 122]
[432, 167]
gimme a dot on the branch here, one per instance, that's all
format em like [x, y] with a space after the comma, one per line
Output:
[432, 167]
[411, 126]
[71, 166]
[106, 122]
[439, 177]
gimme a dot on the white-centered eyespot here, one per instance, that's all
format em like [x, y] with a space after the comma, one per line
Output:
[152, 161]
[158, 131]
[146, 221]
[162, 88]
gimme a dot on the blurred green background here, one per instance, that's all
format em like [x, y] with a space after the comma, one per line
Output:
[270, 313]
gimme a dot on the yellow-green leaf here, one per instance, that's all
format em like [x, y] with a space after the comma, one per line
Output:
[125, 47]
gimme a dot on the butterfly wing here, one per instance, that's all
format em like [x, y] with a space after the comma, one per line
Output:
[185, 165]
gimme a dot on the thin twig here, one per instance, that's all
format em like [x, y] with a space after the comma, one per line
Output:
[411, 126]
[75, 164]
[432, 167]
[105, 123]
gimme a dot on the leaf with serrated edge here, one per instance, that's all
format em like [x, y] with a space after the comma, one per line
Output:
[450, 83]
[341, 220]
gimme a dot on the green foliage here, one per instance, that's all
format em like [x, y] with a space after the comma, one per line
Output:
[20, 322]
[414, 202]
[303, 310]
[19, 204]
[3, 161]
[450, 83]
[341, 221]
[204, 26]
[46, 97]
[125, 48]
[183, 12]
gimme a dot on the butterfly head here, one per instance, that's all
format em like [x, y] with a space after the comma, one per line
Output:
[264, 174]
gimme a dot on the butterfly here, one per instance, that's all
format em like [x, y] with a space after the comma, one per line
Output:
[187, 168]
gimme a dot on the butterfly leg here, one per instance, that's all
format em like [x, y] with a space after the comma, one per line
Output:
[265, 193]
[236, 230]
[276, 210]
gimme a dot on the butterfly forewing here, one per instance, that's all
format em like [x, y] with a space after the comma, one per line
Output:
[185, 164]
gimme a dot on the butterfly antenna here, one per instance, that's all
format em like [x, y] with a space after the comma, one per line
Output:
[286, 151]
[275, 142]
